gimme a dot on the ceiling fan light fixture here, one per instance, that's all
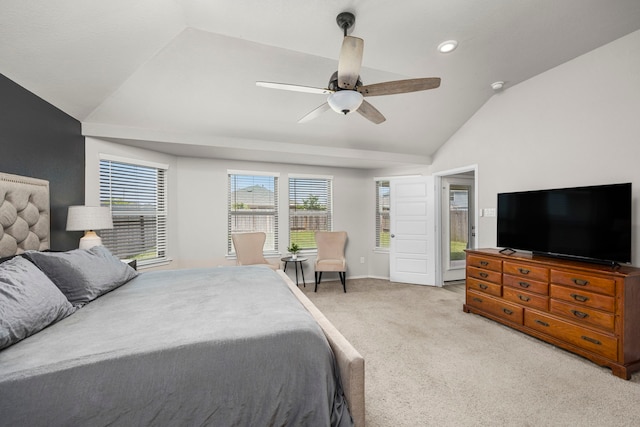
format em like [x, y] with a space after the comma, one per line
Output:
[447, 46]
[345, 101]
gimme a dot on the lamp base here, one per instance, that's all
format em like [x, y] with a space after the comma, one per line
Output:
[90, 240]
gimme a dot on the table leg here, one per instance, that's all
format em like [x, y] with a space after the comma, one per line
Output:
[302, 270]
[285, 266]
[296, 263]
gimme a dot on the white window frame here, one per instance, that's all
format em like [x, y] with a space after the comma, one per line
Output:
[115, 241]
[272, 243]
[378, 213]
[296, 199]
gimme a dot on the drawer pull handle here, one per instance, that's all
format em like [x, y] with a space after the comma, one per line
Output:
[481, 286]
[484, 275]
[540, 322]
[524, 284]
[579, 314]
[507, 311]
[523, 271]
[580, 282]
[484, 263]
[523, 298]
[591, 340]
[477, 299]
[580, 298]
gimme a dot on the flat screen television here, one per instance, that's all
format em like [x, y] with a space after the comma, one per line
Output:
[589, 223]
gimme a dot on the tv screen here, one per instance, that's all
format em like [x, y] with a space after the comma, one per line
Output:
[593, 222]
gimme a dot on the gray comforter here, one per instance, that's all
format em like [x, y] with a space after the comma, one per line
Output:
[227, 346]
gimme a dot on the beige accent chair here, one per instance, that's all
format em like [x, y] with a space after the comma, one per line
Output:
[331, 255]
[249, 249]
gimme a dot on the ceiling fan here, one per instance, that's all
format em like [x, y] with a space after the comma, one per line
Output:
[345, 89]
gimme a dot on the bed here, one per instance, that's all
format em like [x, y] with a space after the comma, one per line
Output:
[214, 346]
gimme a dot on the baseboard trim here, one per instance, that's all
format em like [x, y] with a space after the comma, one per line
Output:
[377, 277]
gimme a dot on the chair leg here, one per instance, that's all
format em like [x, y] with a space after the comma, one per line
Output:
[318, 279]
[343, 275]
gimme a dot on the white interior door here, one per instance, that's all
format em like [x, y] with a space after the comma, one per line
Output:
[412, 243]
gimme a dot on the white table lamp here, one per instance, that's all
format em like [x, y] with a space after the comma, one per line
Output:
[88, 219]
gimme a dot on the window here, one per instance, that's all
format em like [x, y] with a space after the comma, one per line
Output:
[136, 195]
[309, 209]
[253, 206]
[382, 214]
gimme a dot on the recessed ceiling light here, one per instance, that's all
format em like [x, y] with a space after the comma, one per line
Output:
[448, 46]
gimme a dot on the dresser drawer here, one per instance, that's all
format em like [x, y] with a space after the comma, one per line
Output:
[526, 284]
[486, 263]
[583, 315]
[485, 275]
[582, 298]
[524, 270]
[486, 287]
[596, 342]
[499, 308]
[584, 281]
[526, 298]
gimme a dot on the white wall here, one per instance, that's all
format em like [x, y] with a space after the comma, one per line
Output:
[198, 205]
[577, 124]
[202, 214]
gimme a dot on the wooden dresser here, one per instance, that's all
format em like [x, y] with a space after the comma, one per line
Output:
[588, 309]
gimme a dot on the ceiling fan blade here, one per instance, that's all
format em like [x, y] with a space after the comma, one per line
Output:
[370, 112]
[350, 62]
[315, 113]
[400, 86]
[295, 88]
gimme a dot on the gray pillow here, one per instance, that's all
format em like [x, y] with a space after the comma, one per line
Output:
[83, 275]
[29, 301]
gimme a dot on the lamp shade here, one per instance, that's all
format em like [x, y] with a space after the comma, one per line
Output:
[83, 218]
[345, 101]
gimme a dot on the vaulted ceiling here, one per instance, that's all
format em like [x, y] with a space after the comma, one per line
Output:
[178, 76]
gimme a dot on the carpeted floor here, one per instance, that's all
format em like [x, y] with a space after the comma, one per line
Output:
[430, 364]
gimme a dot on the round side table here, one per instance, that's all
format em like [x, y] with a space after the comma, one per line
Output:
[298, 261]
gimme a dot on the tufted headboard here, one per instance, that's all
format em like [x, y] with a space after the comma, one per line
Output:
[24, 214]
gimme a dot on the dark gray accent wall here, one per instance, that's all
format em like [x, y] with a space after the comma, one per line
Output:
[39, 140]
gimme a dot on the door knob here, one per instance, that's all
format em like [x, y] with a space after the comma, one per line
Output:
[393, 235]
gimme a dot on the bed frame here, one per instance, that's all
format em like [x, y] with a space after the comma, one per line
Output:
[24, 225]
[350, 362]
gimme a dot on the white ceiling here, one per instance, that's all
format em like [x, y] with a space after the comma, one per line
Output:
[178, 76]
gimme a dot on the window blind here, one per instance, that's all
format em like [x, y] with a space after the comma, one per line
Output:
[253, 206]
[383, 206]
[310, 209]
[136, 195]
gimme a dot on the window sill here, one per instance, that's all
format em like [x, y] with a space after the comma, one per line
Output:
[141, 265]
[267, 255]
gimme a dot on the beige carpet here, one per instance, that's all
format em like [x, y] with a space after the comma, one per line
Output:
[430, 364]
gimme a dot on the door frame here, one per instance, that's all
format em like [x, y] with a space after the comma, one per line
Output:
[454, 270]
[440, 244]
